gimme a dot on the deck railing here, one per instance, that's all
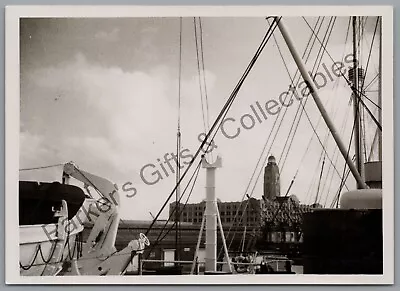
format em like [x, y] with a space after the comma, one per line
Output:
[199, 263]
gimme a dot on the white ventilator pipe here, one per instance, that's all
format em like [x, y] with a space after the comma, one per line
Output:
[211, 215]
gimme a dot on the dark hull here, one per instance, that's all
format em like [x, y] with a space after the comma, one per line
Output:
[338, 241]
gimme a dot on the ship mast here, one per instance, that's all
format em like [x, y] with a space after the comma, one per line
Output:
[314, 93]
[178, 150]
[354, 74]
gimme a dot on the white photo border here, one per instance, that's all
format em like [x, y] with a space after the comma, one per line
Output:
[12, 121]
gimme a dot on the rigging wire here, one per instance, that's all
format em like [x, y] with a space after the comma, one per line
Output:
[363, 81]
[298, 80]
[308, 196]
[337, 197]
[296, 85]
[341, 73]
[41, 167]
[336, 152]
[268, 35]
[336, 85]
[199, 74]
[265, 145]
[325, 141]
[187, 199]
[323, 155]
[307, 115]
[336, 157]
[315, 68]
[370, 83]
[319, 140]
[354, 90]
[303, 106]
[263, 150]
[204, 77]
[345, 165]
[222, 114]
[320, 178]
[177, 210]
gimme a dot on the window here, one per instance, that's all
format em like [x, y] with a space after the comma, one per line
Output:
[222, 213]
[228, 213]
[195, 220]
[228, 219]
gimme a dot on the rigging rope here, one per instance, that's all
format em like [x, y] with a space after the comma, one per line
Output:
[176, 208]
[298, 80]
[292, 82]
[261, 155]
[347, 155]
[327, 36]
[180, 212]
[222, 114]
[336, 157]
[204, 75]
[311, 185]
[320, 178]
[199, 74]
[354, 90]
[315, 68]
[336, 200]
[42, 167]
[336, 152]
[370, 83]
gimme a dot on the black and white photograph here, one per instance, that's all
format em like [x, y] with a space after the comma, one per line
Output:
[163, 145]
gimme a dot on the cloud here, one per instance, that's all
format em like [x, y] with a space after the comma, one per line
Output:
[109, 121]
[112, 121]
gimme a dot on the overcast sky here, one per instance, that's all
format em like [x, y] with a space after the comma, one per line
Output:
[104, 93]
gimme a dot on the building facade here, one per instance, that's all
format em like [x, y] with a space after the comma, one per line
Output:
[246, 213]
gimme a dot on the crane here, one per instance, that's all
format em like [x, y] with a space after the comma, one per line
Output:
[99, 255]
